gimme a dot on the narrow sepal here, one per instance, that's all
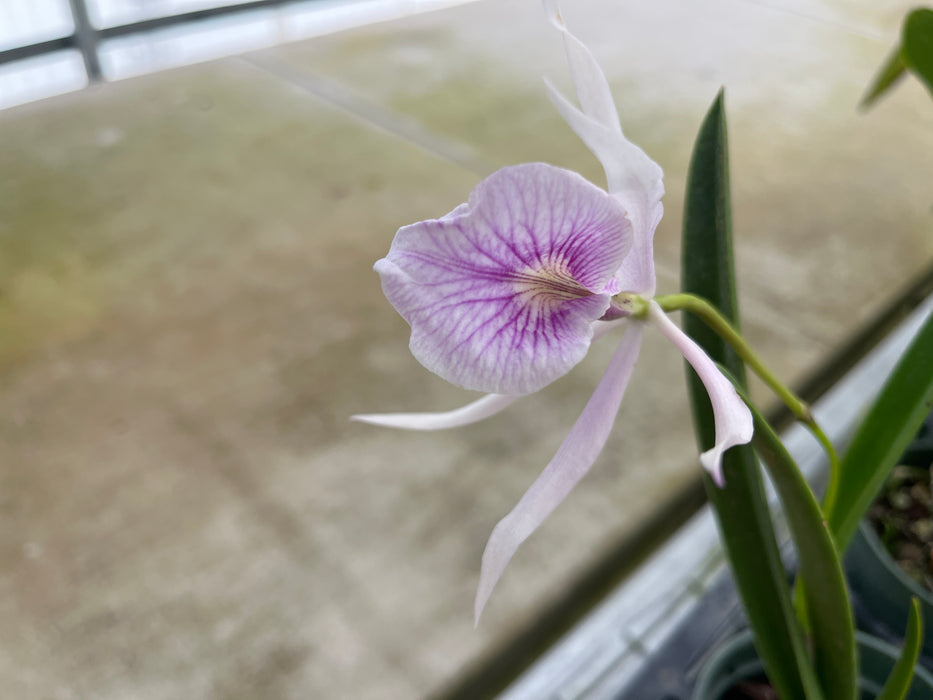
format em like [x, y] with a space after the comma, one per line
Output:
[631, 176]
[733, 420]
[571, 462]
[483, 408]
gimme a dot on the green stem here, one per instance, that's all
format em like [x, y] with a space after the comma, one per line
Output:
[718, 323]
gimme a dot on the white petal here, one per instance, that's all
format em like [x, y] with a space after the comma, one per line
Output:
[588, 79]
[572, 461]
[733, 419]
[480, 409]
[634, 179]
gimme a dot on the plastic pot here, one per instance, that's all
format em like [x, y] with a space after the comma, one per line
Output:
[737, 660]
[882, 590]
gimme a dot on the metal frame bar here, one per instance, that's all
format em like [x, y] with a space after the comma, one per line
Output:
[86, 37]
[30, 50]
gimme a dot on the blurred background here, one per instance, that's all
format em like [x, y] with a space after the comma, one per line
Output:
[188, 316]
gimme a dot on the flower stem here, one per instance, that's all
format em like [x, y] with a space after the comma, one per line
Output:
[721, 326]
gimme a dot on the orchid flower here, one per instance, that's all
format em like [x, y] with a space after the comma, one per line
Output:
[506, 292]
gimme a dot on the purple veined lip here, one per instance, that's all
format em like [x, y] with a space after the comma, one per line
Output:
[501, 293]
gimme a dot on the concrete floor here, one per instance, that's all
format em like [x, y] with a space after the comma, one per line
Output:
[188, 316]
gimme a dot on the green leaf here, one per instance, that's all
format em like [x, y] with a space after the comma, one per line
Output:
[917, 45]
[892, 70]
[902, 674]
[741, 507]
[890, 425]
[819, 566]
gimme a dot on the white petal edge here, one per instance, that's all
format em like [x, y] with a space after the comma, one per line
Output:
[572, 461]
[733, 420]
[588, 78]
[478, 410]
[482, 408]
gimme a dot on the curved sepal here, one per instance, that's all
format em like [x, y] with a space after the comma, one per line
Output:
[572, 461]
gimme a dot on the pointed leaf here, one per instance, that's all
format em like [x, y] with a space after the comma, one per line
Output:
[890, 425]
[741, 507]
[917, 45]
[892, 70]
[819, 566]
[902, 674]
